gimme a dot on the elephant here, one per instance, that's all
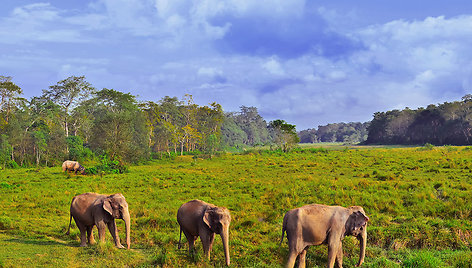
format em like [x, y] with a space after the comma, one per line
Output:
[317, 224]
[69, 165]
[198, 218]
[91, 209]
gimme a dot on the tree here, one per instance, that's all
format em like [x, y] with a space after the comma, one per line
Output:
[68, 94]
[5, 150]
[210, 120]
[163, 119]
[40, 145]
[231, 132]
[253, 125]
[9, 93]
[119, 129]
[285, 134]
[447, 123]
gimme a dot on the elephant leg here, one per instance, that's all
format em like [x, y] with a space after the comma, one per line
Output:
[207, 241]
[114, 233]
[191, 240]
[333, 249]
[339, 256]
[292, 257]
[90, 238]
[83, 233]
[302, 259]
[101, 226]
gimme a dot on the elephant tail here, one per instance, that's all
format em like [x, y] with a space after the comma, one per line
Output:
[180, 237]
[70, 221]
[284, 227]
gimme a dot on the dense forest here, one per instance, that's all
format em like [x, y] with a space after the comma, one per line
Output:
[351, 133]
[448, 123]
[73, 120]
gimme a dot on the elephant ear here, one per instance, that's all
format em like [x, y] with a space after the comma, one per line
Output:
[208, 218]
[361, 219]
[107, 206]
[356, 221]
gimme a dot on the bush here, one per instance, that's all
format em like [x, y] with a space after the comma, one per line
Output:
[77, 151]
[428, 146]
[11, 164]
[108, 166]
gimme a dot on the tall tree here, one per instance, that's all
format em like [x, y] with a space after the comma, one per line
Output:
[119, 128]
[231, 132]
[253, 125]
[9, 93]
[68, 93]
[285, 134]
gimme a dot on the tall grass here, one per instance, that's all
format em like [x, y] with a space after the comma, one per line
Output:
[418, 200]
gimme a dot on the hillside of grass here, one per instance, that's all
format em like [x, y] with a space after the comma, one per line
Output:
[418, 199]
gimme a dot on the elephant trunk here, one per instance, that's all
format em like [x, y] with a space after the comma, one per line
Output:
[225, 238]
[362, 245]
[126, 219]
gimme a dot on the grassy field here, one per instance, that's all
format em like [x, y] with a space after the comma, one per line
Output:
[419, 201]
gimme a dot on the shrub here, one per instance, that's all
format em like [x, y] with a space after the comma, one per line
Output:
[108, 166]
[428, 146]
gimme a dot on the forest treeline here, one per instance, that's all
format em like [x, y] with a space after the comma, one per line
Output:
[353, 132]
[449, 123]
[73, 120]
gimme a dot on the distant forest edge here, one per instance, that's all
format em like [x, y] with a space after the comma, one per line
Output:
[350, 133]
[73, 120]
[449, 123]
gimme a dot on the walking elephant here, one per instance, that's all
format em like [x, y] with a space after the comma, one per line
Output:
[320, 224]
[72, 166]
[198, 218]
[91, 209]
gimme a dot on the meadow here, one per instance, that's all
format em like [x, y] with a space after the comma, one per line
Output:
[419, 200]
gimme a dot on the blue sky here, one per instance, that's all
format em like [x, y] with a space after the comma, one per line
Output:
[307, 62]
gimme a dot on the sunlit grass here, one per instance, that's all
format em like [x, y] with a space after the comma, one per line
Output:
[418, 200]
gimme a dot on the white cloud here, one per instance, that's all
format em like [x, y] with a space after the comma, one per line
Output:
[273, 67]
[38, 22]
[168, 47]
[208, 71]
[39, 11]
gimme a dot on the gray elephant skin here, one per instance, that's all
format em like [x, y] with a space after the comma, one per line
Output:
[198, 218]
[72, 166]
[320, 224]
[92, 209]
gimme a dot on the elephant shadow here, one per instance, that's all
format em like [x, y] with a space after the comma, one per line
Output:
[29, 241]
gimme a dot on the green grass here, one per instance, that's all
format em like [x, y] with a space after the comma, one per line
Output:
[419, 202]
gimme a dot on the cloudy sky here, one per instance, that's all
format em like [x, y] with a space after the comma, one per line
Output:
[307, 62]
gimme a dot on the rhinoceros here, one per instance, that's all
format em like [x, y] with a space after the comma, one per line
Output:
[73, 166]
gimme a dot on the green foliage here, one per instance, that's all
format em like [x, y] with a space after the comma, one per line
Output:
[447, 123]
[285, 135]
[350, 133]
[246, 127]
[77, 151]
[119, 129]
[107, 166]
[5, 151]
[428, 146]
